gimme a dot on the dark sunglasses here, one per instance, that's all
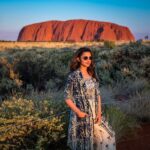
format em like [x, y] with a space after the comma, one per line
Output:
[86, 57]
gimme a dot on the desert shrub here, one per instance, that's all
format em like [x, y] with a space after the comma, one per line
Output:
[105, 77]
[109, 44]
[121, 123]
[128, 87]
[8, 79]
[38, 69]
[40, 107]
[28, 124]
[136, 43]
[31, 124]
[145, 64]
[45, 69]
[29, 132]
[7, 86]
[134, 50]
[35, 69]
[138, 106]
[129, 60]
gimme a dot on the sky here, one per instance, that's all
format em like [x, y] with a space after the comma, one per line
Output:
[14, 14]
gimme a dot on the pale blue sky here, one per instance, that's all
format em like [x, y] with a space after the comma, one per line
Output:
[15, 14]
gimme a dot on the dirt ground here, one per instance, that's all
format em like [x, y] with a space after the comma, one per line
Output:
[141, 142]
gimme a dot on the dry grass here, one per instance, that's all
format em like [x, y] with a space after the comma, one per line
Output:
[27, 45]
[146, 42]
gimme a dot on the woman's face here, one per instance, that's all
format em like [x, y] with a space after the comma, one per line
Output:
[85, 59]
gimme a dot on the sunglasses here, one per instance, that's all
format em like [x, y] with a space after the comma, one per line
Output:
[86, 57]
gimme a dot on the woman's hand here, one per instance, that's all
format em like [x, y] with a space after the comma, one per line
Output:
[82, 114]
[98, 118]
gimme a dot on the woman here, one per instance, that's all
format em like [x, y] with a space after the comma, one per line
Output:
[82, 95]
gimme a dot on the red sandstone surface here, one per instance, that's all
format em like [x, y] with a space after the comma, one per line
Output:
[75, 31]
[140, 142]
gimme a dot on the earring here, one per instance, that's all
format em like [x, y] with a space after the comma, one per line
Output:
[78, 60]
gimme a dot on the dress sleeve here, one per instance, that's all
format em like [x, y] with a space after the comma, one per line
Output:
[68, 90]
[98, 92]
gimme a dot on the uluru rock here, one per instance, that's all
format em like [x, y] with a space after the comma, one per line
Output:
[75, 31]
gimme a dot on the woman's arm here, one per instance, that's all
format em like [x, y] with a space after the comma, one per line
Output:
[99, 105]
[99, 112]
[68, 97]
[70, 103]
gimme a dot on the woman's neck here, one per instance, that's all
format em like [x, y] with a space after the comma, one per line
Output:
[83, 69]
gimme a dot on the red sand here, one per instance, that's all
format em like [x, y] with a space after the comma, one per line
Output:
[141, 142]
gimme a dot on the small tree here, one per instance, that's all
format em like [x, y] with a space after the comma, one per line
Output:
[146, 37]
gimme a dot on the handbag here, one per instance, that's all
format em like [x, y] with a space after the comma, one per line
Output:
[104, 136]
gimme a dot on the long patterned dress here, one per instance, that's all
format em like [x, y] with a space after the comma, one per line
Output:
[83, 133]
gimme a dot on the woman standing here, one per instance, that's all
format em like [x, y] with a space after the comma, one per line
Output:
[82, 95]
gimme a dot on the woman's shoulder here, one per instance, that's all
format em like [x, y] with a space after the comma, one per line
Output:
[71, 74]
[74, 75]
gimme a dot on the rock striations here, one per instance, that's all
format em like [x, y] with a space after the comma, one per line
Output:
[75, 31]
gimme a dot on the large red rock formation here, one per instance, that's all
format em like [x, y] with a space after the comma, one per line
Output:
[76, 31]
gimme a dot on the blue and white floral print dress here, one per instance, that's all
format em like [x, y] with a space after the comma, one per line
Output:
[83, 133]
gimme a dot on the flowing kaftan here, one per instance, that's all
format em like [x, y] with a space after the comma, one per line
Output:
[83, 133]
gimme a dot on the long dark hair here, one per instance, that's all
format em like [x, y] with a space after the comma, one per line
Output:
[75, 64]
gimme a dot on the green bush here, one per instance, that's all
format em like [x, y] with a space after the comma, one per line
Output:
[28, 124]
[109, 44]
[9, 81]
[39, 75]
[38, 68]
[121, 123]
[26, 132]
[138, 106]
